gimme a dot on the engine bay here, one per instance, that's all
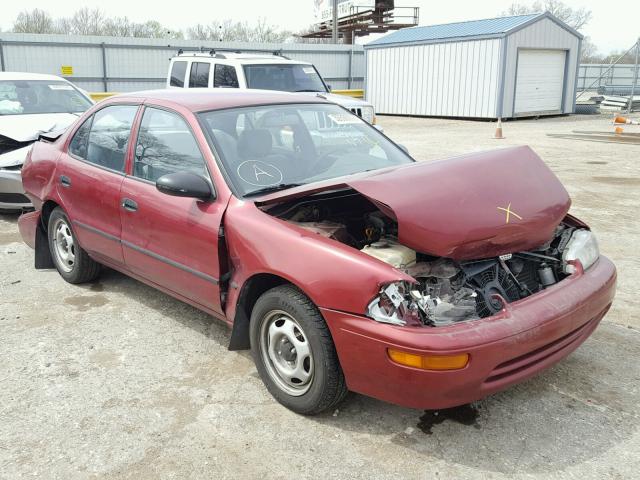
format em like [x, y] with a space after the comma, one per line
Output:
[446, 291]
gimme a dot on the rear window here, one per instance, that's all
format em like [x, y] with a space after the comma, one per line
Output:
[199, 76]
[225, 76]
[178, 71]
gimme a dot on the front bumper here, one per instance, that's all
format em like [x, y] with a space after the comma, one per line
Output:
[527, 337]
[12, 195]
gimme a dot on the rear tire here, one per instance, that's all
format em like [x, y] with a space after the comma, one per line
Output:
[294, 352]
[71, 261]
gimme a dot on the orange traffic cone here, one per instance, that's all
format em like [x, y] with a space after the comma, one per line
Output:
[498, 135]
[625, 120]
[619, 130]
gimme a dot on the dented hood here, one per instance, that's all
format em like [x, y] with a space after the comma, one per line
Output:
[475, 206]
[27, 127]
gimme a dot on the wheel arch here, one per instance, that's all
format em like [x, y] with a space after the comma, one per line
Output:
[47, 207]
[251, 290]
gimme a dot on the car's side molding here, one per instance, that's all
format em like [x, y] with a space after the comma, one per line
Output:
[149, 253]
[96, 231]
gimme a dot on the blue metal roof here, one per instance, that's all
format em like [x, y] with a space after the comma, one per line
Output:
[473, 28]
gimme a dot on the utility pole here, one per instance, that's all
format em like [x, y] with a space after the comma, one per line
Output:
[334, 23]
[635, 77]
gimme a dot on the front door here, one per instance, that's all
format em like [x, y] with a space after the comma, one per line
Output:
[90, 174]
[170, 241]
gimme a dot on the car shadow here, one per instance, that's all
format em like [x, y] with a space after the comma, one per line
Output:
[582, 407]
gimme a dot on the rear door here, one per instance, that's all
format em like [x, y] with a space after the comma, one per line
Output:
[170, 241]
[89, 176]
[539, 81]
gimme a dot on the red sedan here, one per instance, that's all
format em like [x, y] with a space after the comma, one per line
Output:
[336, 258]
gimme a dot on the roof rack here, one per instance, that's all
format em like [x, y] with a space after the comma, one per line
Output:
[220, 52]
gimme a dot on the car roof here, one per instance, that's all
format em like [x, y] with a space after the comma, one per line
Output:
[241, 58]
[29, 76]
[202, 99]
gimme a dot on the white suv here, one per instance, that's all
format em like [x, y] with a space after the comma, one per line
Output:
[257, 71]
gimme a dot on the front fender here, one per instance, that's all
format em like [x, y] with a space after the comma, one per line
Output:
[331, 274]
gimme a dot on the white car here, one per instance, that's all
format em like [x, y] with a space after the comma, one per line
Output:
[31, 104]
[257, 71]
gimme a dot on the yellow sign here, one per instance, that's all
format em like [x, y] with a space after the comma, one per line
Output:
[67, 70]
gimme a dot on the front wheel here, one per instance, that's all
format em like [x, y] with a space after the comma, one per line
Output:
[71, 261]
[294, 352]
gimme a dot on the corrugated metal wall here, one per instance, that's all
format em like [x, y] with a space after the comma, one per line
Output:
[454, 79]
[136, 64]
[543, 34]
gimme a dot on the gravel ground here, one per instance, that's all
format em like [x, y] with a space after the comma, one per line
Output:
[116, 380]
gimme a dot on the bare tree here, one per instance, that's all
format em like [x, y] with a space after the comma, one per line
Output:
[88, 22]
[574, 17]
[589, 52]
[94, 22]
[228, 30]
[34, 21]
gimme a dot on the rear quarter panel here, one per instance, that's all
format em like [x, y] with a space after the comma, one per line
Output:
[38, 172]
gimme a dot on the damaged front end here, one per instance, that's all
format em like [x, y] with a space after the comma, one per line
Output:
[448, 291]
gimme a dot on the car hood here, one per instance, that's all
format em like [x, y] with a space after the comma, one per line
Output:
[474, 206]
[24, 128]
[14, 157]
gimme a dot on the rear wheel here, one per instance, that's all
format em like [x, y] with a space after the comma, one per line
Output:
[71, 261]
[294, 353]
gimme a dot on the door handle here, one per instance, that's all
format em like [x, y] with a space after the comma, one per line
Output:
[129, 205]
[65, 181]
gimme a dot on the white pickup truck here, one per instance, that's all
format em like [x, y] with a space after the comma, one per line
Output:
[257, 71]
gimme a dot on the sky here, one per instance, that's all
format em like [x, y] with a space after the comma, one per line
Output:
[614, 25]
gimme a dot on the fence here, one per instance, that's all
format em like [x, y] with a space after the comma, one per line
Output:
[129, 64]
[620, 75]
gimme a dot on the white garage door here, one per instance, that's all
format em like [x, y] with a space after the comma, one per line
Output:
[539, 81]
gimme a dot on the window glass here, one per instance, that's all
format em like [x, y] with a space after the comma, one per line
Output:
[288, 77]
[275, 146]
[225, 76]
[199, 76]
[166, 145]
[178, 71]
[22, 97]
[109, 136]
[80, 141]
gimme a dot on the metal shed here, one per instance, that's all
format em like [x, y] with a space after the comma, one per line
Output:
[505, 67]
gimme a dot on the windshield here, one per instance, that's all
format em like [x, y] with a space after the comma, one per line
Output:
[277, 146]
[284, 77]
[22, 97]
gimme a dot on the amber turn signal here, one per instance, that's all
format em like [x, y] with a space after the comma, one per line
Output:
[429, 362]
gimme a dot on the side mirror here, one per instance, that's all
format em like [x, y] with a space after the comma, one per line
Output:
[185, 184]
[330, 88]
[403, 148]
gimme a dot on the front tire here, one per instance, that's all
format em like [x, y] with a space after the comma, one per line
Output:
[71, 261]
[294, 352]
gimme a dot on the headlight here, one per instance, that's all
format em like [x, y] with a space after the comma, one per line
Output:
[391, 305]
[367, 114]
[582, 246]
